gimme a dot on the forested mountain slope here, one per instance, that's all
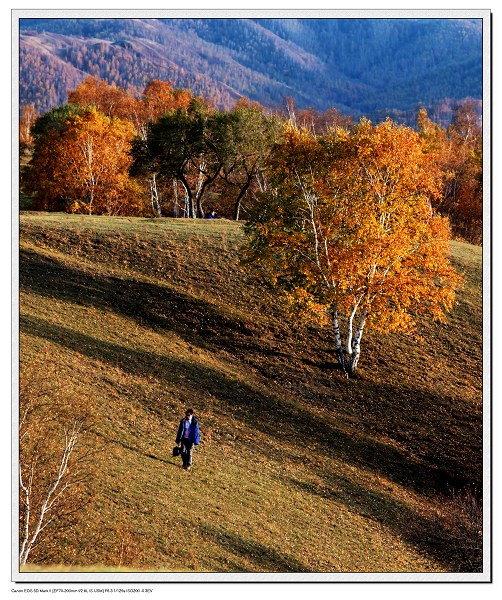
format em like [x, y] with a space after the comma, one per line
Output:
[361, 66]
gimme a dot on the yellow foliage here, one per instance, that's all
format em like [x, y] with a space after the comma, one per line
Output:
[85, 167]
[351, 229]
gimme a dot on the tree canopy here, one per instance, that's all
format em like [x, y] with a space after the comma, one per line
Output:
[80, 164]
[348, 233]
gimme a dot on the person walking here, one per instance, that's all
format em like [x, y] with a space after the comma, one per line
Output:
[188, 436]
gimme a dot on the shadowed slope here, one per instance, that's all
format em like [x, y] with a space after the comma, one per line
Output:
[289, 446]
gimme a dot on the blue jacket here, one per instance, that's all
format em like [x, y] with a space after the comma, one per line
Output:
[194, 431]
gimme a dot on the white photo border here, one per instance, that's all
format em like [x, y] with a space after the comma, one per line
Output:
[164, 577]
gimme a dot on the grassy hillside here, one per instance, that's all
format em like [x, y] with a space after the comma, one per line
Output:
[299, 469]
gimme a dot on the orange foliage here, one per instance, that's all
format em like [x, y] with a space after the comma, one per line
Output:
[349, 228]
[84, 167]
[160, 96]
[458, 152]
[109, 99]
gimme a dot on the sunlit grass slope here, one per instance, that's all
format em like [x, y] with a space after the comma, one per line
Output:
[299, 469]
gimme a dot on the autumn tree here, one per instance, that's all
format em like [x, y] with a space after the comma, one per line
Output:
[81, 162]
[348, 234]
[160, 97]
[57, 461]
[26, 122]
[109, 99]
[38, 177]
[458, 152]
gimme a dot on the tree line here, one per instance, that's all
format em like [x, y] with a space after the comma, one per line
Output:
[168, 152]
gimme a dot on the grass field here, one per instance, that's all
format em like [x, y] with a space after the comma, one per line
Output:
[299, 469]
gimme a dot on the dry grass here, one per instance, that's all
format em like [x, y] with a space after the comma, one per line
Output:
[299, 469]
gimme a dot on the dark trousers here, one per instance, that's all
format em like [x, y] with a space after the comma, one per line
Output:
[186, 452]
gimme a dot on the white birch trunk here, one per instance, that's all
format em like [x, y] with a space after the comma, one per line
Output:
[189, 212]
[261, 182]
[338, 340]
[199, 190]
[356, 343]
[88, 153]
[154, 194]
[348, 338]
[189, 208]
[176, 206]
[52, 495]
[200, 180]
[27, 508]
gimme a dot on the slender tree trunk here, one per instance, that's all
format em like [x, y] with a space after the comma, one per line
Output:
[186, 205]
[200, 209]
[261, 180]
[88, 154]
[189, 199]
[338, 341]
[27, 489]
[237, 207]
[154, 194]
[238, 200]
[356, 344]
[201, 186]
[176, 200]
[348, 339]
[91, 200]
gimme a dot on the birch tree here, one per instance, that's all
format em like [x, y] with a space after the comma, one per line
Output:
[348, 234]
[42, 508]
[81, 165]
[243, 142]
[56, 463]
[26, 122]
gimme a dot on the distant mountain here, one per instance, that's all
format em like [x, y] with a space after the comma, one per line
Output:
[360, 66]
